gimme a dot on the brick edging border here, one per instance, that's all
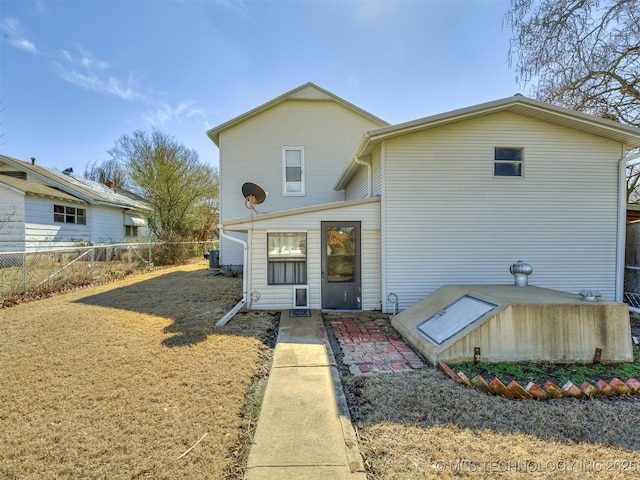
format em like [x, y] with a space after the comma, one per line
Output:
[549, 391]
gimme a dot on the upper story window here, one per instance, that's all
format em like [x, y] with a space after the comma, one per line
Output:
[508, 162]
[293, 170]
[63, 214]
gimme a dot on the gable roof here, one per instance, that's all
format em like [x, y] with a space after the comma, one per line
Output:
[528, 107]
[308, 91]
[81, 188]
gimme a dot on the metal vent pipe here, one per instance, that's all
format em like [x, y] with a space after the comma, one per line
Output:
[521, 271]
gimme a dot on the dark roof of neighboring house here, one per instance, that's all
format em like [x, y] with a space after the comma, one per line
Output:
[82, 188]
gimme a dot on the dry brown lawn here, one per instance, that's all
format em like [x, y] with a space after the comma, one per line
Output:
[422, 425]
[118, 381]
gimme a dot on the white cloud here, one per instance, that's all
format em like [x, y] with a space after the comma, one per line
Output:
[164, 114]
[91, 74]
[84, 70]
[13, 32]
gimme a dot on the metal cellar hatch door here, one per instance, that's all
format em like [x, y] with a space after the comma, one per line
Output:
[450, 320]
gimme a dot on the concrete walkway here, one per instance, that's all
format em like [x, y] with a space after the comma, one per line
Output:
[304, 430]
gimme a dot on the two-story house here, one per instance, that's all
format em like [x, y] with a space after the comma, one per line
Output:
[292, 146]
[451, 198]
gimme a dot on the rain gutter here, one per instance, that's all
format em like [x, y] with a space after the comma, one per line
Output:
[229, 315]
[369, 173]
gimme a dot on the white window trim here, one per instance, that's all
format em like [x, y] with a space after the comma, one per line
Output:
[75, 214]
[276, 260]
[301, 193]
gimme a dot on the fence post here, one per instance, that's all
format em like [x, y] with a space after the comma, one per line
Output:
[129, 250]
[24, 272]
[93, 263]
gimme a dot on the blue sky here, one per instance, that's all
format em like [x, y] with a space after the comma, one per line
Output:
[77, 75]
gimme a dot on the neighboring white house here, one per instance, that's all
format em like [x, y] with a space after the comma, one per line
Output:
[44, 208]
[454, 198]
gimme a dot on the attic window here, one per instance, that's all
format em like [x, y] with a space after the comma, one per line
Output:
[508, 162]
[63, 214]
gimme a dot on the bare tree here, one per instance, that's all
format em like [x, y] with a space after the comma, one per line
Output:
[107, 171]
[181, 190]
[6, 217]
[633, 182]
[582, 54]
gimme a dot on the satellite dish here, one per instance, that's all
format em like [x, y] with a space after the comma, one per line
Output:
[253, 195]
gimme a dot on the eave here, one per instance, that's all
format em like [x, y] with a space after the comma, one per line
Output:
[518, 104]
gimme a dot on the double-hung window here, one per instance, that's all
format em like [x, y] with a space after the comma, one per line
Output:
[293, 170]
[508, 162]
[287, 258]
[64, 214]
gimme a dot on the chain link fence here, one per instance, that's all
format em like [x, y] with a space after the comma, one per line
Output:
[631, 295]
[44, 271]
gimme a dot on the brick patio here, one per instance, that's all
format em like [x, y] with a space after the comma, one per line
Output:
[367, 349]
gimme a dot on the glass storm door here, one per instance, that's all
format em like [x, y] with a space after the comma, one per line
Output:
[341, 288]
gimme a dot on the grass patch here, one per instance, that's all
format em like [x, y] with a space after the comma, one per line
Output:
[117, 381]
[557, 373]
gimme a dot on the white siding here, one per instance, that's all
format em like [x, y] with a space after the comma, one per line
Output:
[234, 252]
[358, 187]
[106, 223]
[377, 173]
[275, 297]
[11, 220]
[252, 152]
[42, 232]
[31, 226]
[371, 280]
[448, 220]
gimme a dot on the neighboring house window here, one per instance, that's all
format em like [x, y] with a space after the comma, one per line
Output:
[293, 170]
[508, 162]
[287, 258]
[64, 214]
[130, 231]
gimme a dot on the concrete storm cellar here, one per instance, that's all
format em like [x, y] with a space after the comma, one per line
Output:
[516, 323]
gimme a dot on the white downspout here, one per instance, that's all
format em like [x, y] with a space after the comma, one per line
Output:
[229, 315]
[369, 175]
[622, 222]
